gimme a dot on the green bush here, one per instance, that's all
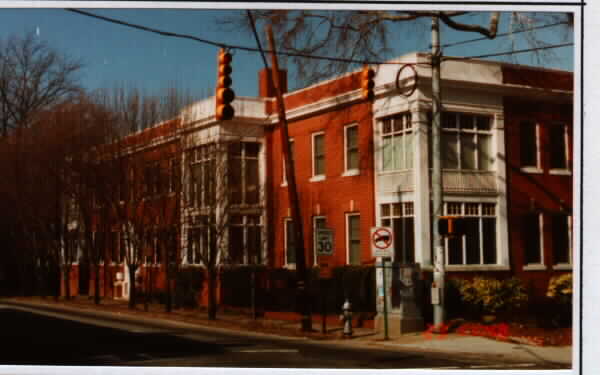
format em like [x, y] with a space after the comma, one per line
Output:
[490, 295]
[188, 284]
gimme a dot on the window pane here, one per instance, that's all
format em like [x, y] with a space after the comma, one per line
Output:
[251, 181]
[528, 145]
[472, 240]
[560, 239]
[449, 151]
[399, 162]
[467, 152]
[387, 126]
[385, 209]
[531, 239]
[483, 123]
[235, 179]
[489, 241]
[352, 147]
[319, 154]
[466, 121]
[289, 247]
[455, 253]
[388, 154]
[484, 152]
[354, 239]
[252, 149]
[558, 157]
[404, 240]
[448, 120]
[409, 150]
[236, 244]
[254, 245]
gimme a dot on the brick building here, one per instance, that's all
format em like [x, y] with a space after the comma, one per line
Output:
[507, 160]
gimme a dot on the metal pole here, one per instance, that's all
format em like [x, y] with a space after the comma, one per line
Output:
[436, 174]
[293, 193]
[385, 310]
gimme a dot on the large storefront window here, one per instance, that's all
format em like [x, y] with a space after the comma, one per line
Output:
[478, 244]
[397, 138]
[400, 217]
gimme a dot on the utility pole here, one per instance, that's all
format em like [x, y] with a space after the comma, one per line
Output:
[298, 233]
[436, 174]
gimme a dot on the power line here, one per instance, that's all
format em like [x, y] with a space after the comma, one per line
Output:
[510, 52]
[233, 46]
[504, 34]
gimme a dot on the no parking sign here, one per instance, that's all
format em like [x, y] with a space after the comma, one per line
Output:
[382, 241]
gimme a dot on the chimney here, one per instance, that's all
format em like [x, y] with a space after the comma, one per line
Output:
[266, 87]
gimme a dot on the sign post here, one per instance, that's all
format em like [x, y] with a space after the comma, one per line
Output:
[324, 250]
[382, 241]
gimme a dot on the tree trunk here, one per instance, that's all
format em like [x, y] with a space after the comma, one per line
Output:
[212, 300]
[132, 288]
[97, 285]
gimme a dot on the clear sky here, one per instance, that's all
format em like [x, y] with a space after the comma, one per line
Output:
[114, 54]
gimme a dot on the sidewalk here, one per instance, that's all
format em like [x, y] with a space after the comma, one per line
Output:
[463, 345]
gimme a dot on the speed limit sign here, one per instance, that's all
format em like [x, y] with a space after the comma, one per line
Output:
[324, 241]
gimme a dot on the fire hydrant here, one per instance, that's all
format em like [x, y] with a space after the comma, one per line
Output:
[346, 318]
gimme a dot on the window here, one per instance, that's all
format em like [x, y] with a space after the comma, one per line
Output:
[174, 175]
[400, 217]
[319, 222]
[243, 172]
[558, 146]
[290, 247]
[529, 137]
[318, 140]
[201, 191]
[478, 245]
[397, 142]
[561, 238]
[353, 245]
[466, 141]
[201, 239]
[245, 239]
[351, 147]
[284, 180]
[532, 238]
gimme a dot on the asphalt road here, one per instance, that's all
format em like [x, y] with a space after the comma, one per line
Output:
[38, 337]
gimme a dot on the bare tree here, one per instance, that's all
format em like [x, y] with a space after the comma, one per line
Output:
[33, 77]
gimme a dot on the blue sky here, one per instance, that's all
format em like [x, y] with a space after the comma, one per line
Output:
[116, 55]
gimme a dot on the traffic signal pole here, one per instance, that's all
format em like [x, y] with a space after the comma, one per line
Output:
[298, 233]
[436, 176]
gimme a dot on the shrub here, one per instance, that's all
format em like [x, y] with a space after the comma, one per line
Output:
[491, 295]
[560, 288]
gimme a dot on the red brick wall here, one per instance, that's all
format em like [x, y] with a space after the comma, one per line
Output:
[544, 191]
[334, 194]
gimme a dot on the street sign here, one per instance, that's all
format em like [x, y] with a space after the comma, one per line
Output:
[382, 242]
[324, 241]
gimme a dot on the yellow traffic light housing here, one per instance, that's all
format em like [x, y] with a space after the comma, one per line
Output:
[224, 95]
[367, 83]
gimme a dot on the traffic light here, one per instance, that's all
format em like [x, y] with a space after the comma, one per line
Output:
[367, 83]
[225, 95]
[451, 226]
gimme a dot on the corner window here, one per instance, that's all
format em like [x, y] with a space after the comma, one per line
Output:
[466, 141]
[478, 245]
[397, 139]
[351, 156]
[318, 145]
[529, 145]
[243, 172]
[245, 239]
[353, 236]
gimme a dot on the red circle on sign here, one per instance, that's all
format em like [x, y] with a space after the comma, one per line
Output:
[380, 235]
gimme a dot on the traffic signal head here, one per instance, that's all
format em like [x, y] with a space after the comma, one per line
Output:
[451, 226]
[367, 83]
[225, 95]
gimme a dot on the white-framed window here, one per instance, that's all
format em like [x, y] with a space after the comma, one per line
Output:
[202, 164]
[284, 175]
[478, 245]
[242, 172]
[290, 246]
[530, 146]
[532, 229]
[559, 147]
[318, 155]
[351, 152]
[201, 238]
[562, 247]
[319, 222]
[397, 139]
[466, 141]
[400, 217]
[245, 239]
[353, 238]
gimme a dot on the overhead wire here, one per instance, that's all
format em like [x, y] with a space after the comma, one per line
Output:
[508, 52]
